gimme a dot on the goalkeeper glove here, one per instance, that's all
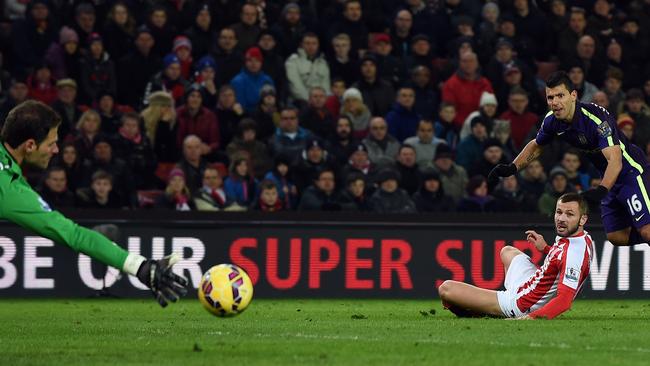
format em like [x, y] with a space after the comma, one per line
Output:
[595, 195]
[165, 285]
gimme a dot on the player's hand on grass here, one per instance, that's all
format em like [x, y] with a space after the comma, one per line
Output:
[501, 170]
[537, 239]
[595, 195]
[165, 284]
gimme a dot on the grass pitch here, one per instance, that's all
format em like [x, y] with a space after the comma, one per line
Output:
[315, 332]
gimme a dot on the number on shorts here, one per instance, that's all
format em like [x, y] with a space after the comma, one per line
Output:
[634, 204]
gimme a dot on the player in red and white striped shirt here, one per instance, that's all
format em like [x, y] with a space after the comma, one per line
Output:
[531, 291]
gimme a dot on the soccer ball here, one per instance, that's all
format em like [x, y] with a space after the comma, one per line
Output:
[225, 290]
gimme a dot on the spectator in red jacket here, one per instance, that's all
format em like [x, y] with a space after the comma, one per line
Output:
[42, 85]
[464, 88]
[521, 119]
[195, 119]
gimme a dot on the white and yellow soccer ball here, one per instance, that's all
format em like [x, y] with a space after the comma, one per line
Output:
[225, 290]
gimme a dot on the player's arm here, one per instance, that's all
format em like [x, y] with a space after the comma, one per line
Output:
[558, 305]
[614, 156]
[531, 151]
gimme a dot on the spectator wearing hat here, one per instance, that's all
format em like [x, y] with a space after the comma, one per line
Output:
[229, 59]
[282, 176]
[342, 143]
[487, 111]
[160, 126]
[248, 29]
[341, 63]
[489, 23]
[169, 80]
[162, 29]
[315, 117]
[401, 33]
[102, 158]
[85, 22]
[101, 193]
[67, 107]
[465, 88]
[32, 36]
[289, 138]
[382, 147]
[533, 183]
[355, 195]
[134, 147]
[249, 82]
[514, 78]
[391, 68]
[478, 198]
[425, 143]
[378, 94]
[177, 195]
[307, 69]
[431, 197]
[426, 94]
[64, 57]
[389, 197]
[136, 69]
[119, 30]
[491, 157]
[406, 165]
[195, 119]
[240, 184]
[97, 71]
[313, 158]
[18, 93]
[356, 111]
[636, 108]
[201, 33]
[322, 194]
[273, 64]
[422, 54]
[246, 142]
[504, 59]
[558, 184]
[54, 189]
[110, 112]
[182, 48]
[358, 162]
[289, 29]
[625, 123]
[585, 89]
[41, 84]
[212, 196]
[470, 149]
[502, 132]
[522, 121]
[192, 162]
[267, 114]
[353, 25]
[402, 119]
[205, 78]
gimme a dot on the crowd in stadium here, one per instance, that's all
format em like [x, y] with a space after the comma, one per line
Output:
[381, 106]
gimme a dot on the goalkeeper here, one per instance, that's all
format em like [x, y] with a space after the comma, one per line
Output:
[29, 137]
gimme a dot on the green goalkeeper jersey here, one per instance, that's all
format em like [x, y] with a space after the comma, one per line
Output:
[20, 204]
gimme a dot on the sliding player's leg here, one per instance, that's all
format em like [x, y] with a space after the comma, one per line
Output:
[507, 255]
[466, 300]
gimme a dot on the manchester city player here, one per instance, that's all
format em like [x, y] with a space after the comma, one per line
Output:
[29, 137]
[622, 193]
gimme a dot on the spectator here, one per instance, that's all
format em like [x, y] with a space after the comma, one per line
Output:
[613, 89]
[585, 89]
[192, 163]
[169, 80]
[378, 94]
[248, 29]
[533, 183]
[249, 82]
[42, 85]
[593, 66]
[201, 32]
[635, 48]
[133, 146]
[342, 144]
[401, 33]
[424, 143]
[195, 119]
[359, 162]
[18, 93]
[307, 69]
[315, 117]
[557, 186]
[470, 148]
[136, 69]
[501, 132]
[162, 30]
[32, 36]
[269, 200]
[289, 29]
[509, 196]
[229, 113]
[102, 158]
[85, 20]
[247, 143]
[212, 196]
[229, 60]
[177, 195]
[342, 64]
[239, 184]
[489, 23]
[530, 23]
[119, 31]
[558, 18]
[444, 126]
[426, 96]
[505, 59]
[521, 120]
[160, 126]
[333, 102]
[70, 160]
[97, 71]
[109, 112]
[205, 78]
[354, 198]
[356, 111]
[421, 52]
[55, 189]
[465, 87]
[88, 130]
[640, 113]
[182, 48]
[513, 78]
[492, 155]
[477, 199]
[281, 176]
[431, 196]
[100, 195]
[601, 99]
[571, 164]
[409, 170]
[382, 147]
[487, 112]
[66, 106]
[402, 119]
[64, 57]
[313, 159]
[568, 39]
[390, 67]
[322, 195]
[267, 115]
[389, 198]
[289, 138]
[452, 176]
[273, 64]
[352, 25]
[625, 123]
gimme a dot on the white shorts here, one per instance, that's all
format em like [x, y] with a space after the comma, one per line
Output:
[521, 270]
